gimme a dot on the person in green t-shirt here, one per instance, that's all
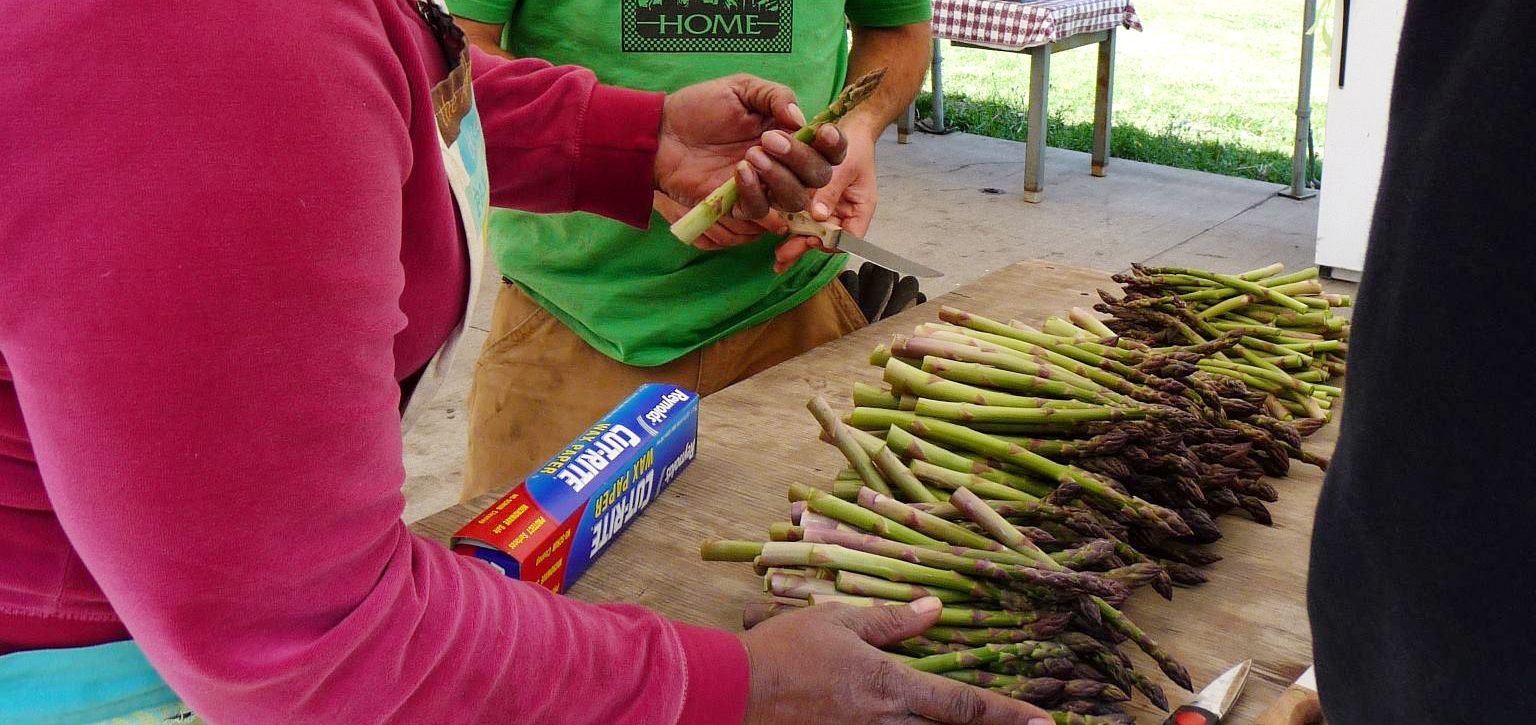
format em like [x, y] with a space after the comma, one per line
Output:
[591, 308]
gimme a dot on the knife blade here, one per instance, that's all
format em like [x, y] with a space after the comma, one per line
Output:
[835, 238]
[1213, 702]
[1298, 705]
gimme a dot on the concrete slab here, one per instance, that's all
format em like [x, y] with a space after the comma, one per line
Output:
[953, 202]
[1277, 230]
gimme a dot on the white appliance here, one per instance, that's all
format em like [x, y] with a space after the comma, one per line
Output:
[1365, 37]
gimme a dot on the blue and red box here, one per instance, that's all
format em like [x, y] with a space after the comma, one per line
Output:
[553, 525]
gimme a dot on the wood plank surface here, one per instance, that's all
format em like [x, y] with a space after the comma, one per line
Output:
[755, 438]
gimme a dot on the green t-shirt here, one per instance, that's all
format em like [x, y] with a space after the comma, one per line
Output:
[642, 297]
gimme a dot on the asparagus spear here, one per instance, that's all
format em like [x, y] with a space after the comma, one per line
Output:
[984, 654]
[843, 439]
[900, 476]
[977, 566]
[863, 585]
[949, 480]
[1046, 689]
[926, 523]
[1000, 529]
[934, 387]
[720, 201]
[833, 507]
[1072, 718]
[1241, 285]
[948, 616]
[994, 377]
[914, 448]
[801, 553]
[1090, 322]
[947, 410]
[977, 636]
[796, 587]
[870, 396]
[1150, 514]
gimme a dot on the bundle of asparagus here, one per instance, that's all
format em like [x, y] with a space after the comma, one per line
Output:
[1015, 618]
[1289, 343]
[1033, 478]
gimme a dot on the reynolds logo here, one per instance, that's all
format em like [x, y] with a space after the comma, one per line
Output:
[708, 26]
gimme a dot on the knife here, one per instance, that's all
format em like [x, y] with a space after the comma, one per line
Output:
[1215, 700]
[1298, 705]
[836, 239]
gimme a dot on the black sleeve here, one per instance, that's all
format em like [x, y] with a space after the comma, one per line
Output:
[1422, 586]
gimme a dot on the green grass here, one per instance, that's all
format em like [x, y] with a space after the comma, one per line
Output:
[1207, 86]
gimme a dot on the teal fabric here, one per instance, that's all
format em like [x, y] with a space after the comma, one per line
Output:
[79, 685]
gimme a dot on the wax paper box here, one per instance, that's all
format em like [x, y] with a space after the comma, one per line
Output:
[552, 526]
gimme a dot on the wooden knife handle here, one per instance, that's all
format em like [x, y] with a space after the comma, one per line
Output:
[1296, 706]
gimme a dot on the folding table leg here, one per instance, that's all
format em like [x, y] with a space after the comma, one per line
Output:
[1034, 148]
[938, 89]
[1102, 100]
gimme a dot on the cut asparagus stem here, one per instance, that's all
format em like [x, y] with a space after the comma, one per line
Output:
[1090, 322]
[730, 550]
[993, 377]
[1099, 371]
[947, 410]
[934, 387]
[843, 439]
[1241, 285]
[1045, 628]
[1072, 718]
[1152, 515]
[950, 480]
[870, 396]
[928, 524]
[796, 587]
[854, 515]
[785, 531]
[1000, 529]
[863, 585]
[800, 553]
[948, 616]
[901, 477]
[985, 654]
[1064, 329]
[913, 448]
[997, 357]
[1256, 275]
[720, 201]
[977, 566]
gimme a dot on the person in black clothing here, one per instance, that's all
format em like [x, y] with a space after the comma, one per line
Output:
[1421, 591]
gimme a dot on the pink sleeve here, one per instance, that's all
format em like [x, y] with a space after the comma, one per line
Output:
[201, 299]
[557, 140]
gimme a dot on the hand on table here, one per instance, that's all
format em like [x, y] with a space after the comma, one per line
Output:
[818, 665]
[848, 200]
[741, 126]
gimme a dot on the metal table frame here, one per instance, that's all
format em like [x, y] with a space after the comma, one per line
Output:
[1039, 88]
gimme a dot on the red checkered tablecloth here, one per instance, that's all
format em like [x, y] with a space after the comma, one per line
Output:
[1015, 25]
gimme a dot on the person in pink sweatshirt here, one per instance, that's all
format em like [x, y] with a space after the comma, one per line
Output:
[227, 236]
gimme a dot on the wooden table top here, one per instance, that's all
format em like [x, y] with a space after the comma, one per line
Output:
[756, 437]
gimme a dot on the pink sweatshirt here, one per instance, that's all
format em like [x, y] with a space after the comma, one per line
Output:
[225, 235]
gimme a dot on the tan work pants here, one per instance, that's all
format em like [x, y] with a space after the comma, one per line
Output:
[538, 385]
